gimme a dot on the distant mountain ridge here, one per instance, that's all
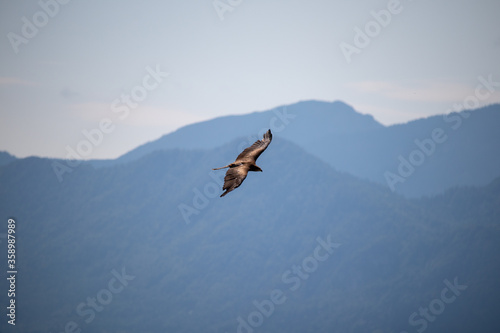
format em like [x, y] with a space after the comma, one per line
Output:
[308, 120]
[398, 156]
[6, 158]
[422, 157]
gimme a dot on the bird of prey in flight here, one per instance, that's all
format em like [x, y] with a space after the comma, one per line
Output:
[245, 162]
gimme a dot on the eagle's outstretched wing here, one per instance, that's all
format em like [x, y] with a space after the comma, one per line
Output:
[253, 152]
[234, 177]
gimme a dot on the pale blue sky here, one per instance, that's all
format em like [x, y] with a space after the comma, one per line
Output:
[65, 78]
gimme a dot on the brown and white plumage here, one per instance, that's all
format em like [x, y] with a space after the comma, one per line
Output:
[244, 162]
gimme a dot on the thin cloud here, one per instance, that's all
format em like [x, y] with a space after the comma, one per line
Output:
[384, 115]
[422, 92]
[143, 116]
[15, 81]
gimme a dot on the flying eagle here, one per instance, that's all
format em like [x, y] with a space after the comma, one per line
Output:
[244, 162]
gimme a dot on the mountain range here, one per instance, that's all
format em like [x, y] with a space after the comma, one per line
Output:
[144, 243]
[466, 154]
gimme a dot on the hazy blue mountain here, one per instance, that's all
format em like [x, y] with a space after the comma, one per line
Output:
[6, 158]
[304, 122]
[467, 152]
[194, 262]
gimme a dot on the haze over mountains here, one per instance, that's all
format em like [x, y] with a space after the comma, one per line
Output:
[466, 154]
[304, 246]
